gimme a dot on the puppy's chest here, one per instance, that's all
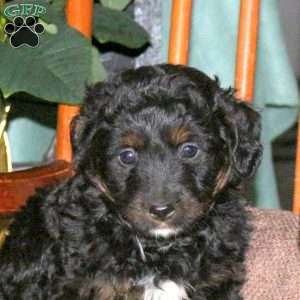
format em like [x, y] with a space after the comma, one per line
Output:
[164, 278]
[160, 282]
[150, 271]
[147, 288]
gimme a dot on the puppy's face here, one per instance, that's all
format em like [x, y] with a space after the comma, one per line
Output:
[163, 155]
[161, 168]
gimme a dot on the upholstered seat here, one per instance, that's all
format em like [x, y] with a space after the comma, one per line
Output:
[273, 259]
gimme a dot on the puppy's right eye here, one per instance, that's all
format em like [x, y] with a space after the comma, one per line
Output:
[189, 150]
[128, 156]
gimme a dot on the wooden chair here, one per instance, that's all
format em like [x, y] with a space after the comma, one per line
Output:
[296, 201]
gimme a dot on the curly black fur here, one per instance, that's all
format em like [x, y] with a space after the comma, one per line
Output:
[95, 235]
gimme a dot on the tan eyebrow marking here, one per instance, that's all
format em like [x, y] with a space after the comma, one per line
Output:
[133, 139]
[179, 135]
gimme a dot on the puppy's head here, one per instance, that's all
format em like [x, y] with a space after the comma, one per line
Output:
[163, 142]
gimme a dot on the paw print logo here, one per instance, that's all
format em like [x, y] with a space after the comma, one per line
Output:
[24, 31]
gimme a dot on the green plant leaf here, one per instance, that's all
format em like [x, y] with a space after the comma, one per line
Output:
[116, 26]
[55, 12]
[57, 70]
[116, 4]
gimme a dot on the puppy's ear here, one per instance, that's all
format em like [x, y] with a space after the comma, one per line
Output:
[92, 114]
[240, 129]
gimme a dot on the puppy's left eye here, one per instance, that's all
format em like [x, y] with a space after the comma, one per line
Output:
[188, 150]
[128, 156]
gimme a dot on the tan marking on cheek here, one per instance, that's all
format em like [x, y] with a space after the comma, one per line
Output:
[222, 179]
[133, 139]
[179, 135]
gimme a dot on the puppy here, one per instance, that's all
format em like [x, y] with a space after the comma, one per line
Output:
[153, 211]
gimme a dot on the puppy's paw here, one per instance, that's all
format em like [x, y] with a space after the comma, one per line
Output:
[166, 290]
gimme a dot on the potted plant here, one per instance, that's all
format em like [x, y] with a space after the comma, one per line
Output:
[51, 63]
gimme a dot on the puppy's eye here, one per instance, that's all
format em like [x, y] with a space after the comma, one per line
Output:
[128, 156]
[188, 150]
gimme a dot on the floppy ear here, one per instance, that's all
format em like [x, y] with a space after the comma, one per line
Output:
[240, 129]
[91, 117]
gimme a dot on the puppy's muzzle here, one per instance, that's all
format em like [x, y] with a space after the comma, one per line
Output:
[162, 212]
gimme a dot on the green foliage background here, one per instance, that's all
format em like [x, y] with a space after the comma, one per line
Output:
[65, 61]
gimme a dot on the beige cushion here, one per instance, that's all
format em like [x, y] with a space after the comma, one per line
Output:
[273, 258]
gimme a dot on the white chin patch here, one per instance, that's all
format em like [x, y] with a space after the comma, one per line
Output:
[163, 232]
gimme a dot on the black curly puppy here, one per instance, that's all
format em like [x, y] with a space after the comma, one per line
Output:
[153, 211]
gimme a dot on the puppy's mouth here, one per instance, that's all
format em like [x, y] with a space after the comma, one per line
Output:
[164, 231]
[162, 219]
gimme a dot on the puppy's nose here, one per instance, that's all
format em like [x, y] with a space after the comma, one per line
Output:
[162, 212]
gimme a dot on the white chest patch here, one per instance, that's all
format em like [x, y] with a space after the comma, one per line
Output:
[165, 290]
